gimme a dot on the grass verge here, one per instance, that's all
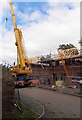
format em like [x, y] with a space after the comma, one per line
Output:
[25, 114]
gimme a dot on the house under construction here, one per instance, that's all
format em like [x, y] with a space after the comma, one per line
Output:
[51, 69]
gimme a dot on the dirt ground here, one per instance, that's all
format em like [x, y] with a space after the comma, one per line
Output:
[7, 94]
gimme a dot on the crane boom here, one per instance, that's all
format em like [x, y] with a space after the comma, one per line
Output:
[22, 59]
[13, 15]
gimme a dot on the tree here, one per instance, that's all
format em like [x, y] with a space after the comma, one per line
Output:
[67, 46]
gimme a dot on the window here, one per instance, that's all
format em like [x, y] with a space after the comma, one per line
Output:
[63, 76]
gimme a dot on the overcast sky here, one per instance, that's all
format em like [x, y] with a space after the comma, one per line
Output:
[45, 25]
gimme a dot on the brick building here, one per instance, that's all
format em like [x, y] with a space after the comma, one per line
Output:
[43, 72]
[53, 69]
[73, 65]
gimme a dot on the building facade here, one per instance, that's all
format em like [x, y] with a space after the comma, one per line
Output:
[52, 70]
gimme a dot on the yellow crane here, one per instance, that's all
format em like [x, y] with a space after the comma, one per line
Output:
[23, 64]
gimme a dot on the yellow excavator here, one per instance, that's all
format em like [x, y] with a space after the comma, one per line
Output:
[23, 67]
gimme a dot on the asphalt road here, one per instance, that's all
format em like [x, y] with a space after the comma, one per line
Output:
[56, 105]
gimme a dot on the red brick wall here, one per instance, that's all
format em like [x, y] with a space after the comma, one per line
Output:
[45, 73]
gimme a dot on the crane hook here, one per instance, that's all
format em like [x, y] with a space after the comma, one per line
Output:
[6, 22]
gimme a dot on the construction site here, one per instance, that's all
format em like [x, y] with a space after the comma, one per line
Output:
[49, 85]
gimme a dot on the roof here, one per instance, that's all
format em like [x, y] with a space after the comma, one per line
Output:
[66, 54]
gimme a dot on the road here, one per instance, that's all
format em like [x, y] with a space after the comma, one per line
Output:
[56, 105]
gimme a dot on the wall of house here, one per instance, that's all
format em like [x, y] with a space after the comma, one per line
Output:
[43, 73]
[73, 68]
[50, 74]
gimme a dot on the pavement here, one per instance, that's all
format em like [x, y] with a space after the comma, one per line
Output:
[64, 90]
[55, 104]
[29, 102]
[45, 103]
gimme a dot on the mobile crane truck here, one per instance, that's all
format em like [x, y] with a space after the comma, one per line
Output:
[23, 69]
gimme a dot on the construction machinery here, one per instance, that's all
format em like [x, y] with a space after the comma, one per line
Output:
[23, 67]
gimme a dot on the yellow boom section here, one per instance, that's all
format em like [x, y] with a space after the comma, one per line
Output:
[22, 59]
